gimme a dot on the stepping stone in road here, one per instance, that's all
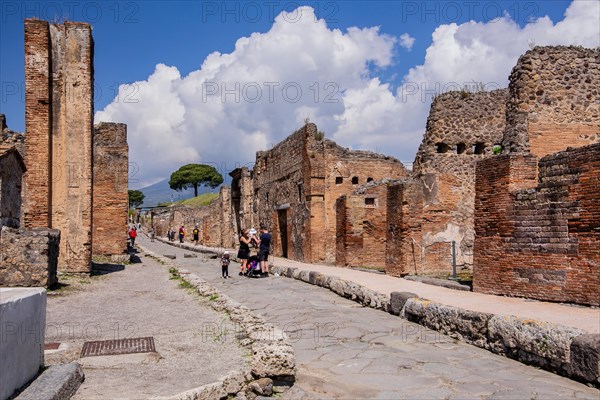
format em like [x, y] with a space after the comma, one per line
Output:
[189, 255]
[171, 256]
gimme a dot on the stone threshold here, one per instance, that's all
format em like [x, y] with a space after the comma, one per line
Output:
[560, 349]
[273, 366]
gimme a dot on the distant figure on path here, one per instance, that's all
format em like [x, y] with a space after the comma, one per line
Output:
[225, 260]
[152, 233]
[196, 233]
[181, 233]
[132, 235]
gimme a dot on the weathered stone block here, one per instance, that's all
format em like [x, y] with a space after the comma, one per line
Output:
[28, 257]
[272, 360]
[466, 325]
[532, 342]
[398, 299]
[171, 256]
[585, 358]
[23, 314]
[314, 277]
[57, 382]
[290, 272]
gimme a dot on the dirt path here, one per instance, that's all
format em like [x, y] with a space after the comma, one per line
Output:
[139, 301]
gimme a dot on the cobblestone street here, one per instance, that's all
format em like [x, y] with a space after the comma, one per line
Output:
[346, 351]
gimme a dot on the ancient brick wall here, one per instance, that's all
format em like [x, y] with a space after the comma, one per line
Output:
[539, 238]
[59, 115]
[554, 100]
[462, 128]
[28, 257]
[12, 169]
[110, 197]
[280, 192]
[362, 226]
[404, 222]
[297, 184]
[345, 171]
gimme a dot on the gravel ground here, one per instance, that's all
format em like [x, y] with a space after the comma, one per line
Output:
[139, 300]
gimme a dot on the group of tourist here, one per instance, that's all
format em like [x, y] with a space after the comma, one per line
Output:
[248, 240]
[181, 234]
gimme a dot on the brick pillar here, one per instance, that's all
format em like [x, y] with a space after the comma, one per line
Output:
[72, 127]
[404, 237]
[38, 119]
[110, 189]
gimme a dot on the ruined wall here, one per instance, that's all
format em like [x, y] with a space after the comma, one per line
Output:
[297, 184]
[404, 223]
[554, 100]
[280, 195]
[10, 138]
[362, 226]
[462, 128]
[242, 191]
[539, 238]
[110, 196]
[215, 221]
[345, 171]
[59, 115]
[28, 257]
[12, 169]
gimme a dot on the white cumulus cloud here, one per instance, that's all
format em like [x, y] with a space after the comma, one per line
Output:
[407, 41]
[258, 94]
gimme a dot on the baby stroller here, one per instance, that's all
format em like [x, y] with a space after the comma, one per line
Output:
[253, 267]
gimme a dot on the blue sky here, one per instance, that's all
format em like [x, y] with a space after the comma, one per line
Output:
[132, 38]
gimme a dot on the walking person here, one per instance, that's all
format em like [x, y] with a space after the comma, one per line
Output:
[264, 244]
[244, 251]
[225, 260]
[152, 234]
[181, 233]
[132, 235]
[196, 233]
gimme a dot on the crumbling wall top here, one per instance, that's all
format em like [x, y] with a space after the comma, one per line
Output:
[462, 122]
[553, 88]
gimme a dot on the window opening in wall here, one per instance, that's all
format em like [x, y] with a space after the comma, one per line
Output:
[267, 197]
[299, 192]
[370, 201]
[461, 148]
[355, 180]
[339, 180]
[442, 148]
[478, 148]
[369, 179]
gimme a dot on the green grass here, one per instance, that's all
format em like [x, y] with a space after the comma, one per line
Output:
[199, 201]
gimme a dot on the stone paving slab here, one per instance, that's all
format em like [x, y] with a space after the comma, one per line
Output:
[346, 351]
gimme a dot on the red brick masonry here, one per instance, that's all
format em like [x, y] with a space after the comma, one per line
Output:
[539, 238]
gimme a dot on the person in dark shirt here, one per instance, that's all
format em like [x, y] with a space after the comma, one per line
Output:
[264, 244]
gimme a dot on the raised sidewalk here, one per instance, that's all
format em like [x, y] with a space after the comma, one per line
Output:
[584, 318]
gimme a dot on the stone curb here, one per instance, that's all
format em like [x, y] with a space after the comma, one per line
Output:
[58, 382]
[559, 349]
[273, 361]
